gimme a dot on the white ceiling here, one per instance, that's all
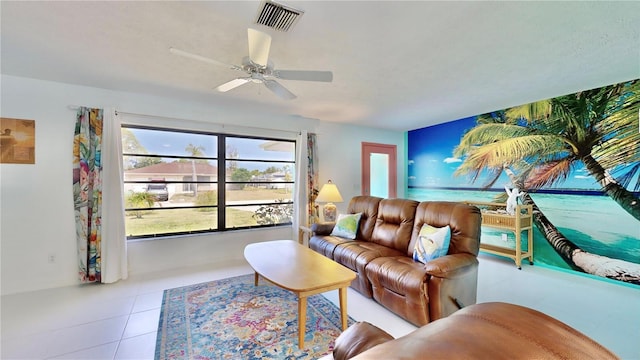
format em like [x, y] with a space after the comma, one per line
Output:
[396, 65]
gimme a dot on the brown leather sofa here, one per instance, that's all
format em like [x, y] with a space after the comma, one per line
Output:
[481, 331]
[382, 255]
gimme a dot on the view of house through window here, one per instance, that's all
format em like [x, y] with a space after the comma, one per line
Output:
[179, 182]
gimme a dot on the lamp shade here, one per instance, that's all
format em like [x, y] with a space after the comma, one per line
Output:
[329, 194]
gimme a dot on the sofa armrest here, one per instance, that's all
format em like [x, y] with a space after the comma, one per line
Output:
[322, 229]
[357, 338]
[450, 266]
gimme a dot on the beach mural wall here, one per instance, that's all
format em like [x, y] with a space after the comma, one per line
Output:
[576, 158]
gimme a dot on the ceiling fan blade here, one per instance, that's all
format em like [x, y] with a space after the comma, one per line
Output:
[304, 75]
[259, 46]
[232, 84]
[201, 58]
[279, 90]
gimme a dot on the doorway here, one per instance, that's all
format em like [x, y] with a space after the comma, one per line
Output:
[379, 170]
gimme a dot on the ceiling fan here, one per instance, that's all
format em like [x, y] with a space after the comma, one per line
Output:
[260, 69]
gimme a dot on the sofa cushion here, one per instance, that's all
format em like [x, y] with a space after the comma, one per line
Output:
[400, 284]
[432, 243]
[356, 255]
[325, 245]
[368, 206]
[347, 225]
[394, 224]
[465, 222]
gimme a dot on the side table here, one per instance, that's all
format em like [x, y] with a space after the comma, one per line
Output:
[304, 232]
[521, 221]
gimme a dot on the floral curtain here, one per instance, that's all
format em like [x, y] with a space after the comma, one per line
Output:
[312, 178]
[87, 191]
[98, 196]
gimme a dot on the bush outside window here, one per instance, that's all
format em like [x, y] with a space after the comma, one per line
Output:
[181, 182]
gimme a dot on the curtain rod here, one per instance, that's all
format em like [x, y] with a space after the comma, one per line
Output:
[76, 107]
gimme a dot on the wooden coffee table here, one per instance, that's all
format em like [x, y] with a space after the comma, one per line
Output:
[301, 270]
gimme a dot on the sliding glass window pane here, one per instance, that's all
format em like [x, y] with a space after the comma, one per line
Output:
[251, 215]
[257, 194]
[260, 149]
[145, 168]
[168, 143]
[170, 177]
[166, 221]
[259, 171]
[144, 199]
[240, 216]
[274, 214]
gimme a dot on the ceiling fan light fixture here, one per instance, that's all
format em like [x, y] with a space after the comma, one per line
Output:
[277, 16]
[260, 69]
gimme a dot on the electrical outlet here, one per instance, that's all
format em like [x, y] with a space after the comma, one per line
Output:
[504, 237]
[52, 258]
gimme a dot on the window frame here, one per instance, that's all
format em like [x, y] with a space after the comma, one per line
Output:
[221, 182]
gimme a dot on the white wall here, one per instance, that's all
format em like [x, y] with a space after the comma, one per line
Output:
[339, 148]
[36, 212]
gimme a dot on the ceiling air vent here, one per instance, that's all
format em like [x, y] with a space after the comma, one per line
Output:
[277, 16]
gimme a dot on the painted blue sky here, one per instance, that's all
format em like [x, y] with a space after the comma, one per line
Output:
[431, 162]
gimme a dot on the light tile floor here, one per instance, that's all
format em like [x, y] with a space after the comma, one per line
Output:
[119, 321]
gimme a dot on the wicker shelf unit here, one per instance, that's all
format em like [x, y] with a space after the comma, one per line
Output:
[521, 221]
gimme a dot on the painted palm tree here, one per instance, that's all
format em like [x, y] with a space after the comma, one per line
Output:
[578, 258]
[598, 128]
[194, 151]
[543, 141]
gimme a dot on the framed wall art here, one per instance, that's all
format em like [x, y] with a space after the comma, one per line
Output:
[17, 141]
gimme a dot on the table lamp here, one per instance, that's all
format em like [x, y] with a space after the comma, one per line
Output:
[329, 194]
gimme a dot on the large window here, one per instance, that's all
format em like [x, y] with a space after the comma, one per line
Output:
[182, 182]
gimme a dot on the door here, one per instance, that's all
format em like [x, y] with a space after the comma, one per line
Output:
[379, 170]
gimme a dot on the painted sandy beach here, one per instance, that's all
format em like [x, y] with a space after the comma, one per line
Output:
[605, 228]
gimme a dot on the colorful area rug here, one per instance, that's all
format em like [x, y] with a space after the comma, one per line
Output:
[233, 319]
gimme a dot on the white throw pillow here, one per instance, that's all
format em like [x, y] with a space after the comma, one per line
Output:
[432, 243]
[347, 225]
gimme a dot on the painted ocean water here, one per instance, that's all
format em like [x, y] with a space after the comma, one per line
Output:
[596, 224]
